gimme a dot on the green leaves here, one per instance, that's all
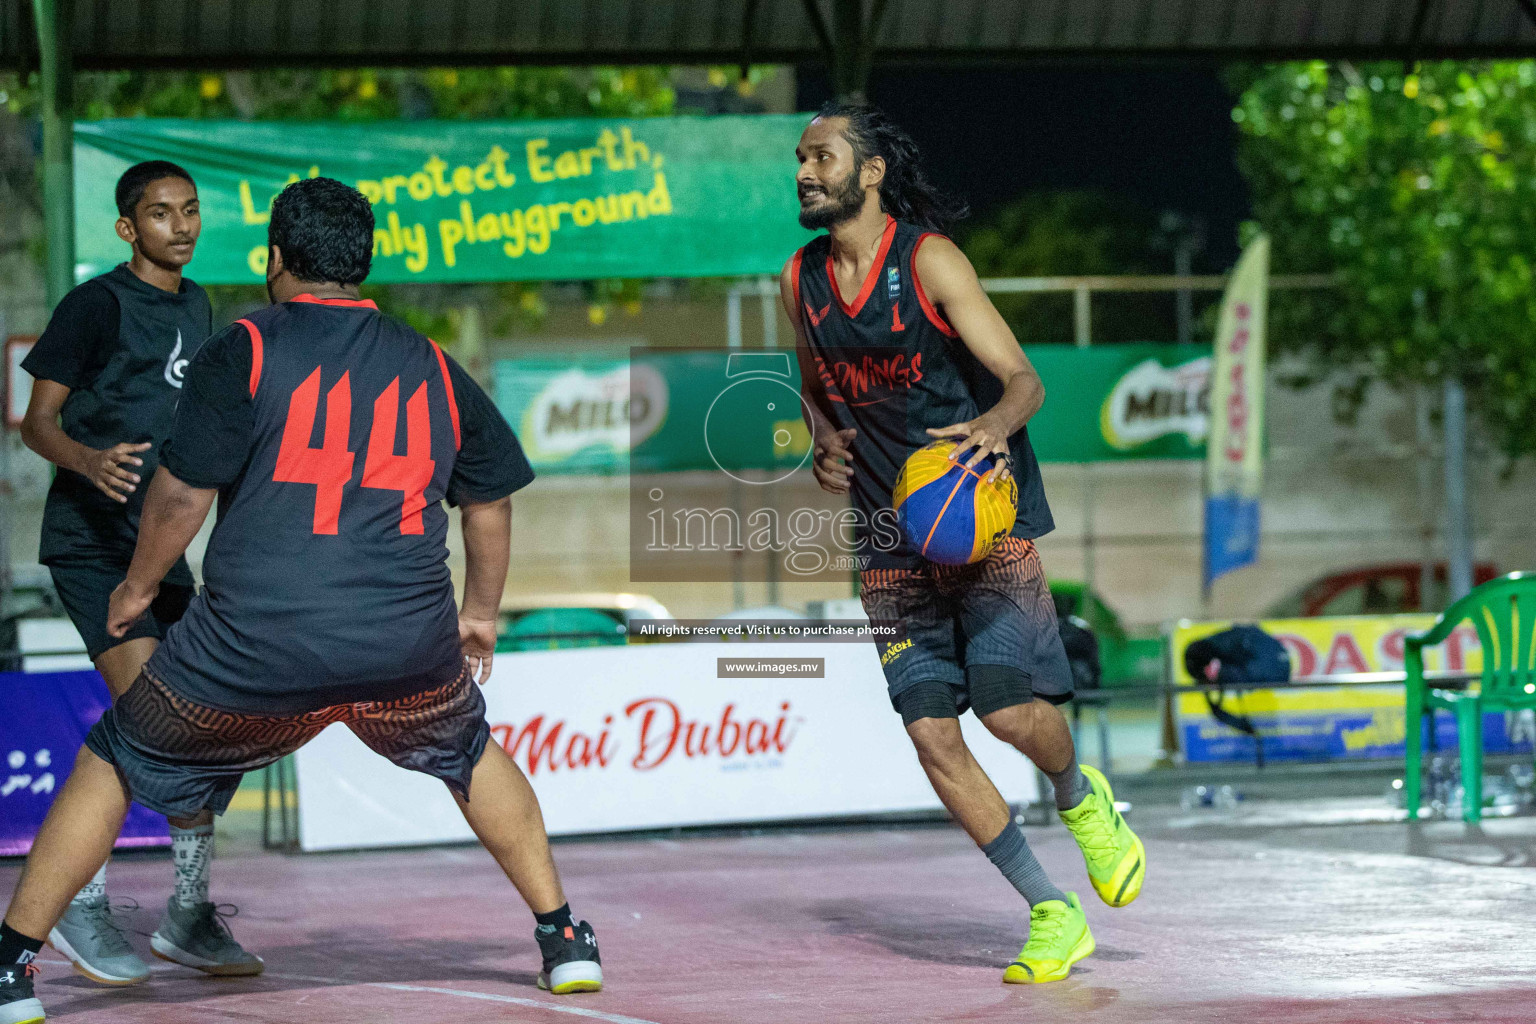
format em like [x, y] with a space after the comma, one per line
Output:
[1417, 191]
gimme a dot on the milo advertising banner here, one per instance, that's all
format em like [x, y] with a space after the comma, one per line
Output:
[1322, 723]
[1112, 402]
[610, 414]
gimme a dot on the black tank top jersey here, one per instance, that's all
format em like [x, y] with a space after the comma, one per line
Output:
[891, 367]
[326, 578]
[130, 396]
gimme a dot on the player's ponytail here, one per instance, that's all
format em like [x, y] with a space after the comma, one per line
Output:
[905, 193]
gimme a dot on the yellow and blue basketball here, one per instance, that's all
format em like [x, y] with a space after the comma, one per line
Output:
[947, 514]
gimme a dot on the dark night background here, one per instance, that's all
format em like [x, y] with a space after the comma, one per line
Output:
[1160, 136]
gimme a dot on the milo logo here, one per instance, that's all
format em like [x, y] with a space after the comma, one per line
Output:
[1152, 400]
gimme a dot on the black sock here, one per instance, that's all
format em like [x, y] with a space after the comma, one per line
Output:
[555, 919]
[16, 948]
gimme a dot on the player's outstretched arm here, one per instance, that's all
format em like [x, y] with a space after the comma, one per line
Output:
[832, 457]
[173, 513]
[487, 530]
[951, 284]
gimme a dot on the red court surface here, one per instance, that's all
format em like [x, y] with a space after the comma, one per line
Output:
[1295, 915]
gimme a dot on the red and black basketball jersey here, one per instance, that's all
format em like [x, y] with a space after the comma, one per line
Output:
[326, 577]
[891, 367]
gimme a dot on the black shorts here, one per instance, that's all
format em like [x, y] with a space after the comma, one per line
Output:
[178, 757]
[84, 589]
[982, 636]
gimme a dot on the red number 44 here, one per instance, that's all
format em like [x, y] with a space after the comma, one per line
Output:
[329, 467]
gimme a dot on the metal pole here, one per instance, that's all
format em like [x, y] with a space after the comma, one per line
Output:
[733, 317]
[770, 297]
[850, 68]
[1458, 518]
[7, 508]
[1425, 444]
[1090, 560]
[57, 81]
[1184, 307]
[733, 342]
[1081, 323]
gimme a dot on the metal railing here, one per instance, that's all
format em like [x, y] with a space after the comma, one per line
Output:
[1082, 288]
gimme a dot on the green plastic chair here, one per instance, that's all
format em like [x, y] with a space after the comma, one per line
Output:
[1504, 614]
[548, 629]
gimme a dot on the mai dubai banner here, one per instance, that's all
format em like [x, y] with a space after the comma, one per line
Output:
[475, 200]
[650, 412]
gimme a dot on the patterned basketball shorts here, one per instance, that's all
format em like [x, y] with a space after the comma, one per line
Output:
[178, 757]
[985, 632]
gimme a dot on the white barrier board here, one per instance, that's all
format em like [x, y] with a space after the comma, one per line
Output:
[648, 736]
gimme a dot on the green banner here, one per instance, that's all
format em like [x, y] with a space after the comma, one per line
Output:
[1110, 402]
[656, 411]
[476, 200]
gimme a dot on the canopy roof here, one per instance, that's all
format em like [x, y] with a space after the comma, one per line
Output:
[250, 33]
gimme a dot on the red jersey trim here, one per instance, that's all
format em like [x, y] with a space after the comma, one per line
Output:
[453, 405]
[870, 279]
[922, 296]
[255, 354]
[794, 276]
[358, 303]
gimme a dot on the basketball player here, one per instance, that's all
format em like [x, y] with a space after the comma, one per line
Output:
[330, 435]
[110, 366]
[899, 346]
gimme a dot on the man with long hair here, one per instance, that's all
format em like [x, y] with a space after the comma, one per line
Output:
[884, 288]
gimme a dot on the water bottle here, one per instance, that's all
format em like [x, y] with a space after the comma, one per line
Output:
[1522, 779]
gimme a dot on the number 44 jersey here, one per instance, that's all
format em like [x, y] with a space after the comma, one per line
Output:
[334, 435]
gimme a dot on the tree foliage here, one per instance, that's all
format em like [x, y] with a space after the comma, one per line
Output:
[1071, 233]
[364, 94]
[1419, 192]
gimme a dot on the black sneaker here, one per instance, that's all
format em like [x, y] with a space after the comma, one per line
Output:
[571, 963]
[17, 1004]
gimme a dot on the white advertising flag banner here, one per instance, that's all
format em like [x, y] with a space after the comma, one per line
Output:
[648, 736]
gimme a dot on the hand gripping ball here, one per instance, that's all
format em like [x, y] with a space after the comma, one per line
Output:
[947, 514]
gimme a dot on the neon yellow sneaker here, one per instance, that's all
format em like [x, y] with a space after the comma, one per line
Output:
[1058, 938]
[1117, 862]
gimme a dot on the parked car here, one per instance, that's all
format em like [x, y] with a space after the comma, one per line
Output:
[549, 622]
[1389, 588]
[1124, 658]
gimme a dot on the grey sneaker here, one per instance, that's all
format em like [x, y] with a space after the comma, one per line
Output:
[197, 937]
[96, 945]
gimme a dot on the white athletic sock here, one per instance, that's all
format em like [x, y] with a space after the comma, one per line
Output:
[95, 889]
[192, 853]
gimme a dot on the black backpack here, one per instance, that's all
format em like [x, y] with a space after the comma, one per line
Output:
[1082, 653]
[1241, 654]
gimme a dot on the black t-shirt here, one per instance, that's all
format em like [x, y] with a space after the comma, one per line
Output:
[121, 346]
[216, 416]
[890, 367]
[334, 436]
